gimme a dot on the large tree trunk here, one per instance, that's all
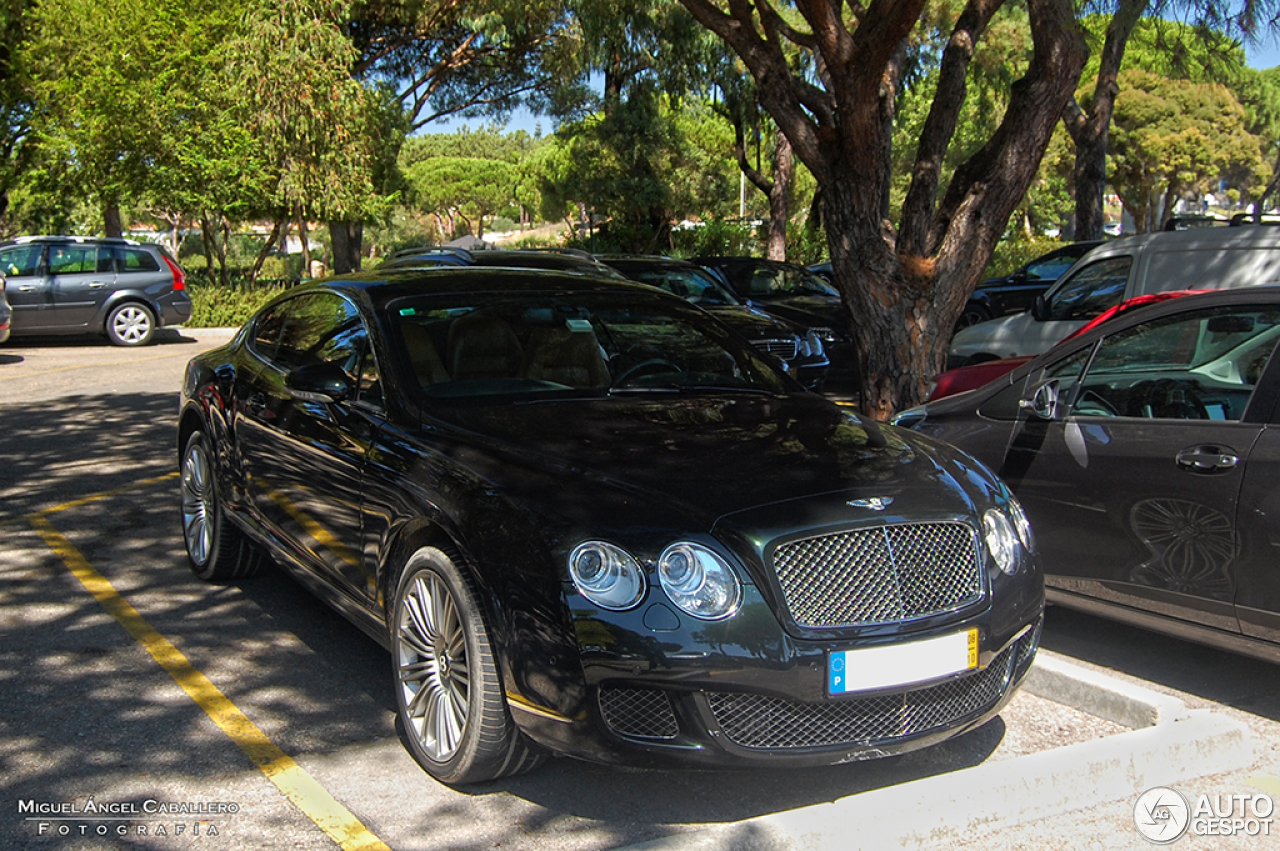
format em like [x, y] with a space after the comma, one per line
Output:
[347, 238]
[780, 199]
[1091, 131]
[112, 223]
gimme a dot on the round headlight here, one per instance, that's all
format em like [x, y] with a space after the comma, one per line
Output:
[606, 575]
[1002, 541]
[699, 582]
[1021, 524]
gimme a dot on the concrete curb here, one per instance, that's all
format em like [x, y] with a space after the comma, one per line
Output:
[1053, 678]
[1172, 745]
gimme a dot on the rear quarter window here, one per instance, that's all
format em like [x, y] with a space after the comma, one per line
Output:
[135, 260]
[1211, 269]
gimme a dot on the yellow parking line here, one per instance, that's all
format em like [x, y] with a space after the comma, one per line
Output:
[297, 785]
[92, 366]
[85, 500]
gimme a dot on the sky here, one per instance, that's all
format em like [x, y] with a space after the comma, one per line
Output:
[1261, 57]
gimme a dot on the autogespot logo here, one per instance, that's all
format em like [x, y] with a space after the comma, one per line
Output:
[1162, 815]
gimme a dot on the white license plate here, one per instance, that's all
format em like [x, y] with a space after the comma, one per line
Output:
[872, 668]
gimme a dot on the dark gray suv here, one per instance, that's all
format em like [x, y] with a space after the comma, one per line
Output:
[81, 284]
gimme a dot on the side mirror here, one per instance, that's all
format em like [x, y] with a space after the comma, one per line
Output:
[318, 382]
[1043, 402]
[1040, 309]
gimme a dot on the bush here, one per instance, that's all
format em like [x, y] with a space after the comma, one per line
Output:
[216, 306]
[716, 238]
[1011, 254]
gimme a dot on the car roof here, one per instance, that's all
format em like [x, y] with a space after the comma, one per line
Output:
[382, 286]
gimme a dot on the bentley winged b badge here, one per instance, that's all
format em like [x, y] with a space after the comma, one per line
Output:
[875, 503]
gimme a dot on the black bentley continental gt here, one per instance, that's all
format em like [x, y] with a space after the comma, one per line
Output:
[586, 517]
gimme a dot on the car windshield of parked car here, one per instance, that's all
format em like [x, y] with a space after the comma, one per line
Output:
[1200, 365]
[691, 284]
[579, 344]
[1092, 290]
[775, 280]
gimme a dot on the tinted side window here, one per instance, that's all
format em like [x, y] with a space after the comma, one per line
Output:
[135, 260]
[20, 260]
[78, 259]
[1091, 290]
[1201, 365]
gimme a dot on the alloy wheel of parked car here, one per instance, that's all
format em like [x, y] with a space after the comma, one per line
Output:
[217, 551]
[130, 324]
[449, 696]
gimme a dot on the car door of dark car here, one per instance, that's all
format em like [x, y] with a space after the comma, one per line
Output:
[304, 458]
[1133, 494]
[1258, 597]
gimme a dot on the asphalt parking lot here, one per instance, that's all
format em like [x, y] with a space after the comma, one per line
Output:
[249, 716]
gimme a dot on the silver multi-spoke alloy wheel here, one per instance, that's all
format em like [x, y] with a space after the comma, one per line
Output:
[198, 506]
[130, 324]
[432, 650]
[452, 708]
[217, 550]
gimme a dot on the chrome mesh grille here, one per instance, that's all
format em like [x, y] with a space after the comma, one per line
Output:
[880, 575]
[756, 721]
[786, 348]
[639, 713]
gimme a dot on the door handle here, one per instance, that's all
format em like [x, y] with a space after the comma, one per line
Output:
[97, 285]
[1207, 459]
[26, 288]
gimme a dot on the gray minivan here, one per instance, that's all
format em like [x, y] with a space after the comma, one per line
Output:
[79, 284]
[1195, 259]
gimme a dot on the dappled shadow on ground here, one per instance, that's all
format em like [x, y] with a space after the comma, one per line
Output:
[1248, 684]
[55, 451]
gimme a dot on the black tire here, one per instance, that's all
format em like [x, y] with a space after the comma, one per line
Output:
[130, 323]
[449, 698]
[974, 314]
[216, 550]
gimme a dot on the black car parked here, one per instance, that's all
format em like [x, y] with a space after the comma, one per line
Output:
[584, 516]
[800, 348]
[80, 284]
[1017, 291]
[1146, 452]
[795, 294]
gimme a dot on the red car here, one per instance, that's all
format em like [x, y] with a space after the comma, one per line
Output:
[974, 376]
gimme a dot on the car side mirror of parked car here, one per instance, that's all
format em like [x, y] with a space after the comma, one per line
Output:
[1043, 402]
[318, 382]
[1040, 309]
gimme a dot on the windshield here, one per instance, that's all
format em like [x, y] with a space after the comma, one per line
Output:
[572, 344]
[767, 280]
[692, 284]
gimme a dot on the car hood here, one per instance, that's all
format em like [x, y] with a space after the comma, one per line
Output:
[808, 310]
[703, 458]
[753, 323]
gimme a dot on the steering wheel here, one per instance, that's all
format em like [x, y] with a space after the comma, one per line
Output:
[1090, 404]
[1169, 399]
[645, 367]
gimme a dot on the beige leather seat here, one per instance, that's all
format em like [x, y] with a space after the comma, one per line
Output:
[565, 356]
[483, 347]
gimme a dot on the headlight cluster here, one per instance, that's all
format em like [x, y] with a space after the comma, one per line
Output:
[697, 580]
[811, 345]
[1008, 535]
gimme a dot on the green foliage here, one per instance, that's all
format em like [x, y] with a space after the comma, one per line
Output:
[1171, 138]
[228, 305]
[477, 188]
[1016, 252]
[716, 237]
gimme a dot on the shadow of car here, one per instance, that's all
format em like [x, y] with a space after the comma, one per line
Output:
[1145, 453]
[586, 517]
